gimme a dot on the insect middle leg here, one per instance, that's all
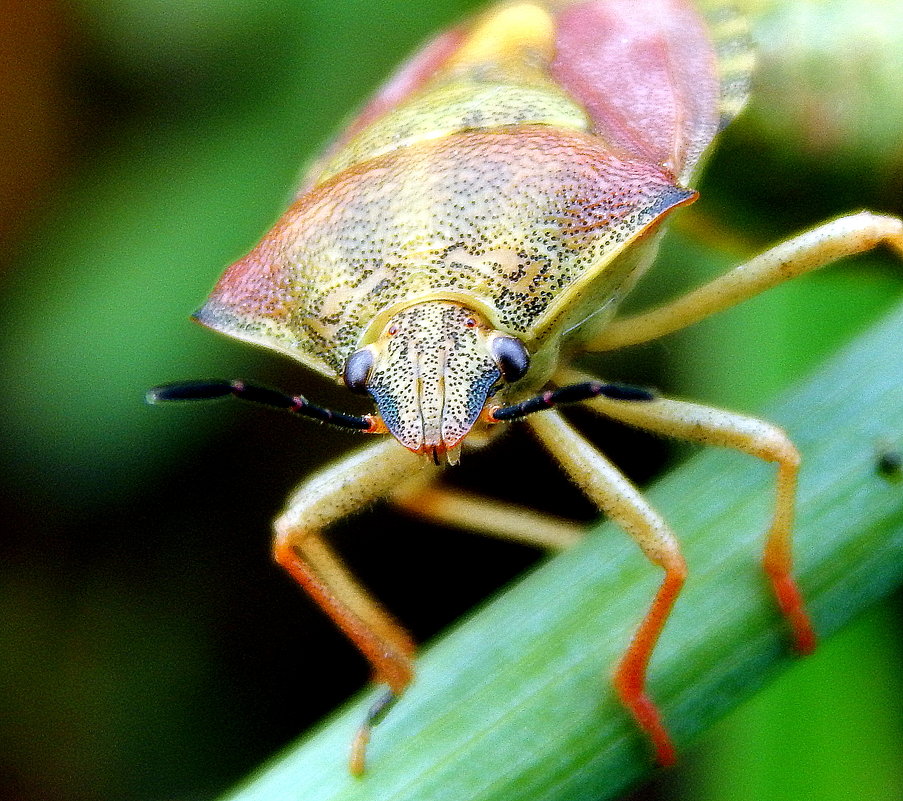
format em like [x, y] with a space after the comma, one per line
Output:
[299, 547]
[422, 497]
[622, 502]
[709, 426]
[845, 236]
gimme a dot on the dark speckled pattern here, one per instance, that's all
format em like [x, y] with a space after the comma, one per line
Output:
[509, 221]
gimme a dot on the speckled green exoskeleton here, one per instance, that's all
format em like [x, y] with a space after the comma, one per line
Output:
[475, 227]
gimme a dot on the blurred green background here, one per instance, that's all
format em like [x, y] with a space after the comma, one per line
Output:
[148, 647]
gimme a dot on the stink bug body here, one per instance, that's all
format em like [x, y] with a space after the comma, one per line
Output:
[476, 226]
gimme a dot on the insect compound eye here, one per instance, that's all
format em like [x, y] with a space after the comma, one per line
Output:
[357, 370]
[511, 356]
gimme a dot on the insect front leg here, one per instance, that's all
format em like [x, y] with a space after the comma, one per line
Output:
[709, 426]
[622, 502]
[845, 236]
[422, 497]
[299, 547]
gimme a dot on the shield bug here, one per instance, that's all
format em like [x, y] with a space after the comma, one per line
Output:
[474, 228]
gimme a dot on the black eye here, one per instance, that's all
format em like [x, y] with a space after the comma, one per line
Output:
[511, 356]
[357, 370]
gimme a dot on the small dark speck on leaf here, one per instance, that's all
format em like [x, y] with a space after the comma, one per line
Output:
[889, 463]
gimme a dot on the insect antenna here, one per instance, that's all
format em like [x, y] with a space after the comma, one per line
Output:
[572, 393]
[254, 393]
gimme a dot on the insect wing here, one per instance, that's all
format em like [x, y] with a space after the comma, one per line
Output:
[647, 74]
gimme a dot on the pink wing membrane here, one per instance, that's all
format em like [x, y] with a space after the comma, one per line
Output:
[646, 74]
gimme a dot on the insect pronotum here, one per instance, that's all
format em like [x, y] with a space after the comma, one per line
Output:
[473, 228]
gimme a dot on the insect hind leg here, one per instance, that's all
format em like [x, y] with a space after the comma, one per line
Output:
[845, 236]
